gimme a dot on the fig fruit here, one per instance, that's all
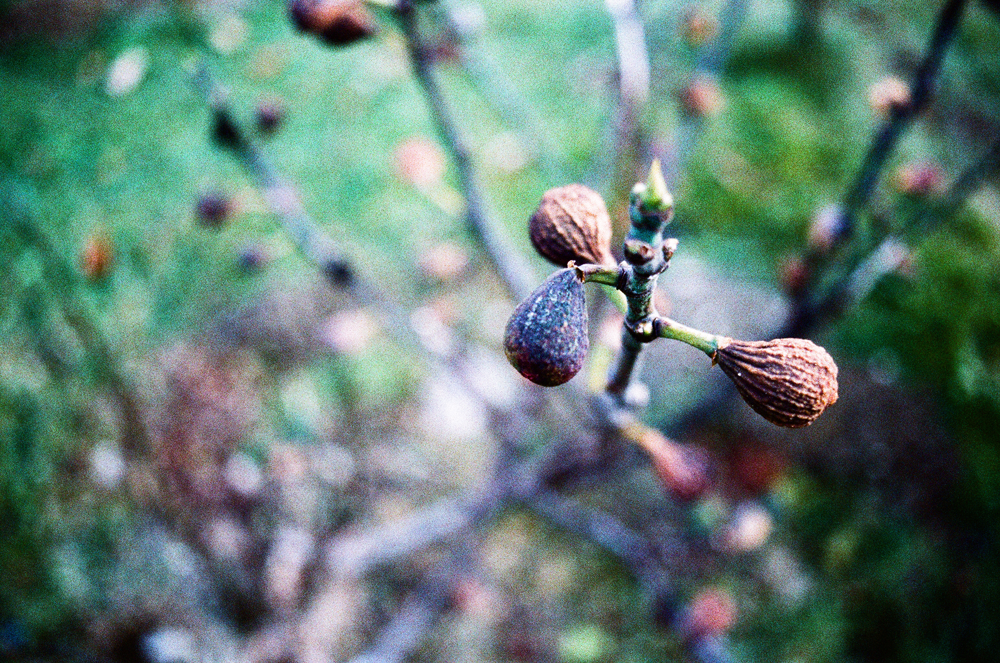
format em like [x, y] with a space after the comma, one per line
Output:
[572, 223]
[788, 381]
[546, 337]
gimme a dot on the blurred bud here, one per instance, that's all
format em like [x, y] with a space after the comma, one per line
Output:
[470, 595]
[756, 467]
[337, 22]
[127, 71]
[698, 27]
[433, 330]
[97, 256]
[468, 18]
[253, 258]
[284, 572]
[788, 381]
[269, 115]
[683, 472]
[546, 337]
[444, 261]
[794, 275]
[350, 332]
[702, 97]
[829, 226]
[888, 95]
[749, 528]
[711, 612]
[229, 34]
[213, 209]
[226, 538]
[572, 224]
[170, 645]
[918, 179]
[107, 465]
[243, 475]
[419, 161]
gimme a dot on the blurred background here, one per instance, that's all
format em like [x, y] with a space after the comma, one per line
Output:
[199, 424]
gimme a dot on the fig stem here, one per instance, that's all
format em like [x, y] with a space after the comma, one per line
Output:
[608, 275]
[664, 327]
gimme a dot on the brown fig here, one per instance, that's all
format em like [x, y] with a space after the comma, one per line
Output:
[337, 22]
[546, 338]
[788, 381]
[572, 223]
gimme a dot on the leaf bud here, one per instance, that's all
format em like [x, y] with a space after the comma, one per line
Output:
[546, 337]
[788, 381]
[572, 223]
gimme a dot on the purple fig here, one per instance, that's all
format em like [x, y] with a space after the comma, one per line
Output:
[546, 338]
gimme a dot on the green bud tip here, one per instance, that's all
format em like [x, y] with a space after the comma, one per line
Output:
[654, 196]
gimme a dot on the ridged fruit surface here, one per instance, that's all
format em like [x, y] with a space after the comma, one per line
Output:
[572, 223]
[788, 381]
[546, 338]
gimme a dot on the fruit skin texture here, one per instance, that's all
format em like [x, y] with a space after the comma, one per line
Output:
[788, 381]
[572, 223]
[546, 338]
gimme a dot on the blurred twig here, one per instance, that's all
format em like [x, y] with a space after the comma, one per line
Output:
[808, 304]
[710, 63]
[494, 84]
[860, 279]
[633, 57]
[513, 270]
[903, 115]
[413, 618]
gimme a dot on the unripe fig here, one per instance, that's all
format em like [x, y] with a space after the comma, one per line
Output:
[546, 338]
[788, 381]
[572, 223]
